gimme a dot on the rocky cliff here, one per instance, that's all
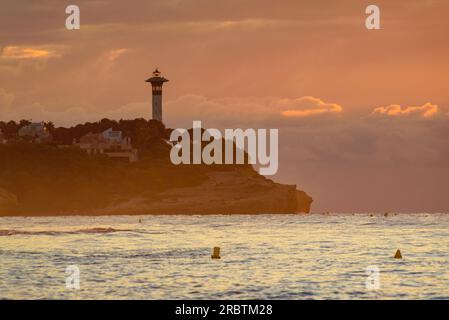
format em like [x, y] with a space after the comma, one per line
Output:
[229, 192]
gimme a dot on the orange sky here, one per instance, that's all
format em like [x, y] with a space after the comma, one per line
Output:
[363, 115]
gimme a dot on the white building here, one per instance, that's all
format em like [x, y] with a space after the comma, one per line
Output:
[113, 136]
[109, 142]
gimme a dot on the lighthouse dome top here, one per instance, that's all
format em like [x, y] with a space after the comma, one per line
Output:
[156, 73]
[157, 77]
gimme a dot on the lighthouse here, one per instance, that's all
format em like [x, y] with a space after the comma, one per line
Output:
[156, 82]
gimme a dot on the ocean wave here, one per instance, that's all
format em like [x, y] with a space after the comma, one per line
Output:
[53, 233]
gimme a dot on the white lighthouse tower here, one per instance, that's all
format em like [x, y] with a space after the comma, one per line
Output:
[156, 82]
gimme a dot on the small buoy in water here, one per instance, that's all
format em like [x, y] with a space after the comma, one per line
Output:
[216, 253]
[398, 255]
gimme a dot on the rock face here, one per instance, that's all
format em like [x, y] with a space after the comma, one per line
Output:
[230, 192]
[303, 202]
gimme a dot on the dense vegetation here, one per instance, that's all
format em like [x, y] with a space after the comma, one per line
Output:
[144, 134]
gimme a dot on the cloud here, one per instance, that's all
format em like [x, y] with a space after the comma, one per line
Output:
[220, 112]
[427, 110]
[14, 60]
[26, 53]
[101, 64]
[248, 111]
[116, 53]
[307, 106]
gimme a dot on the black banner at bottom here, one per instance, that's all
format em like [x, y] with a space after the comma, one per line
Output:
[224, 309]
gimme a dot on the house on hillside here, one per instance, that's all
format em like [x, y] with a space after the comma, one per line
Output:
[113, 136]
[109, 142]
[35, 132]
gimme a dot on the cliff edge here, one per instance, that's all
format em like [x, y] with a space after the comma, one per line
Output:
[38, 180]
[227, 192]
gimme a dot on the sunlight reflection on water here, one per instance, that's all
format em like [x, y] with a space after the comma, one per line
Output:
[268, 256]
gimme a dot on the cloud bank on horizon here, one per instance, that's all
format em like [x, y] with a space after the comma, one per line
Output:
[368, 110]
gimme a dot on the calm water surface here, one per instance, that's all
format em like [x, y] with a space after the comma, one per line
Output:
[263, 257]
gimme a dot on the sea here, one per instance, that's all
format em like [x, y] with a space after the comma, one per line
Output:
[315, 256]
